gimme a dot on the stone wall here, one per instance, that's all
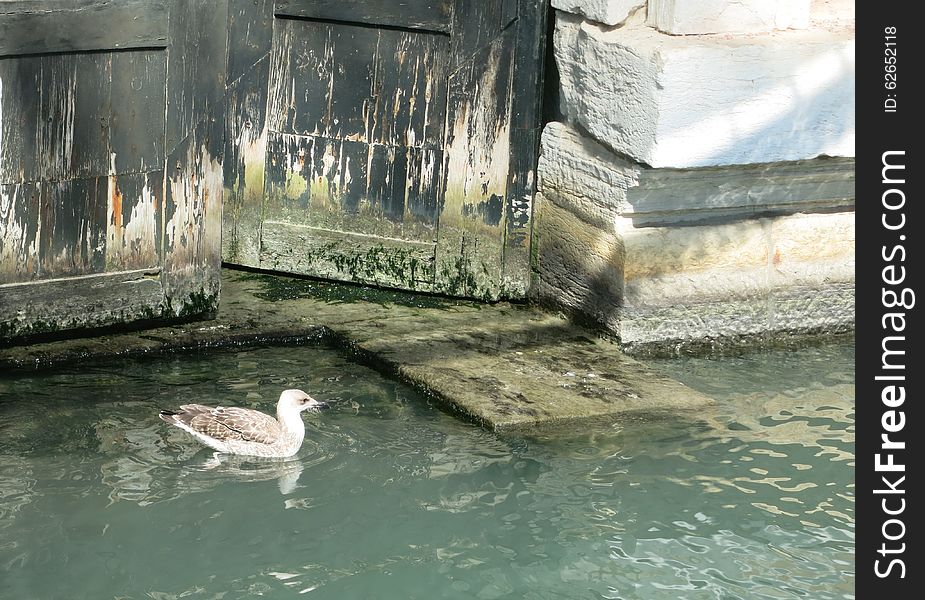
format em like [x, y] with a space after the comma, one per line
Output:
[701, 188]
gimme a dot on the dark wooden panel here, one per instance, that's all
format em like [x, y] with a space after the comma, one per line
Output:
[526, 111]
[137, 115]
[433, 15]
[75, 302]
[471, 242]
[73, 233]
[193, 218]
[64, 115]
[196, 65]
[54, 130]
[19, 118]
[347, 256]
[358, 83]
[101, 219]
[476, 23]
[244, 164]
[353, 186]
[30, 27]
[250, 31]
[90, 142]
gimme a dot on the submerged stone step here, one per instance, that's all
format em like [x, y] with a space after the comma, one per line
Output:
[499, 365]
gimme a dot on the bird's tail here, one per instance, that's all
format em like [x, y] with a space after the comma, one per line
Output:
[168, 416]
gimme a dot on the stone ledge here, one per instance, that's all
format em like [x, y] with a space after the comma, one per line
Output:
[600, 187]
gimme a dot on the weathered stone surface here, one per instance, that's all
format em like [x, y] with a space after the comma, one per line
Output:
[669, 101]
[675, 196]
[610, 12]
[580, 265]
[681, 17]
[579, 173]
[743, 260]
[599, 186]
[834, 15]
[500, 365]
[662, 257]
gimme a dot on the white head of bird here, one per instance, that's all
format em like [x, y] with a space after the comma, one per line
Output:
[292, 402]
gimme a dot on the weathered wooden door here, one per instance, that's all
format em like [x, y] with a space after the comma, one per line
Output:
[111, 134]
[389, 142]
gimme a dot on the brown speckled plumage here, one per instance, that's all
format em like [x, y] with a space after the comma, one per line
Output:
[237, 430]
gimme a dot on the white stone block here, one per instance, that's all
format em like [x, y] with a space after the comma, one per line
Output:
[669, 101]
[683, 17]
[610, 12]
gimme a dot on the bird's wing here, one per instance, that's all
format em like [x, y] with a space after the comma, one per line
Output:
[228, 423]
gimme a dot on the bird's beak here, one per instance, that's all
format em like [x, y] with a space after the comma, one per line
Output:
[316, 405]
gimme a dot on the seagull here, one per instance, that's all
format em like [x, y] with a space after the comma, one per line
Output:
[236, 430]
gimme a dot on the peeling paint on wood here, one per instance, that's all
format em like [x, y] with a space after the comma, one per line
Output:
[245, 163]
[193, 221]
[352, 186]
[478, 148]
[356, 117]
[77, 151]
[99, 222]
[395, 120]
[357, 83]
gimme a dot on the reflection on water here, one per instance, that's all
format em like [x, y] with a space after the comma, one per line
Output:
[390, 498]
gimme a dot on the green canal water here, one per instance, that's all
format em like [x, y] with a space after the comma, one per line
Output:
[392, 498]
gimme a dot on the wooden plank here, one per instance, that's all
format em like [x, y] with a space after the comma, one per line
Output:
[73, 227]
[250, 32]
[432, 15]
[361, 84]
[195, 65]
[352, 186]
[526, 117]
[192, 219]
[344, 256]
[80, 302]
[244, 165]
[89, 144]
[90, 106]
[476, 24]
[138, 111]
[471, 237]
[19, 119]
[20, 212]
[30, 27]
[54, 131]
[192, 213]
